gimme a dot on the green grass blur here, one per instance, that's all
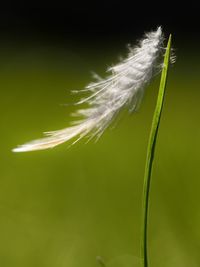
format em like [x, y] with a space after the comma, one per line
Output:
[66, 206]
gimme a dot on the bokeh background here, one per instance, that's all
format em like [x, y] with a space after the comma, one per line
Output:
[81, 206]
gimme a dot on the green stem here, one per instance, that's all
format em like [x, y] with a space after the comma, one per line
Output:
[150, 155]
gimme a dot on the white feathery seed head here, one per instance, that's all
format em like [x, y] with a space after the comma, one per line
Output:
[123, 87]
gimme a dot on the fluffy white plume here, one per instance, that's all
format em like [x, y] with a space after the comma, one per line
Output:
[123, 87]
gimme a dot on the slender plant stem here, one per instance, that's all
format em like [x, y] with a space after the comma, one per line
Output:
[150, 155]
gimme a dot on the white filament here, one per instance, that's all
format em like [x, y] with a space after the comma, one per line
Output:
[123, 87]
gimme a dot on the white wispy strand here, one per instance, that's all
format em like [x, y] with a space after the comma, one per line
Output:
[123, 87]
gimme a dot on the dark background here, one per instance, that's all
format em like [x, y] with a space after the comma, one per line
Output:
[88, 21]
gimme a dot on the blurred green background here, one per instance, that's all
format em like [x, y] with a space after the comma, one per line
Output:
[69, 206]
[66, 206]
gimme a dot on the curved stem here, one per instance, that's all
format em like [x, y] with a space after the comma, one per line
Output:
[150, 155]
